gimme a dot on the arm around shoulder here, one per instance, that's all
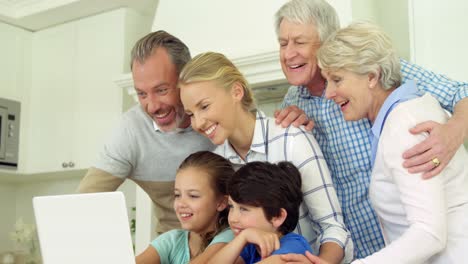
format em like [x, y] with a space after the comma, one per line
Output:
[97, 180]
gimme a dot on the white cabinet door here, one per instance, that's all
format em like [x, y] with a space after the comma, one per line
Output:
[98, 102]
[74, 101]
[51, 112]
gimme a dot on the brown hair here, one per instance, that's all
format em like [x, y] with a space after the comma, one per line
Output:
[220, 171]
[177, 50]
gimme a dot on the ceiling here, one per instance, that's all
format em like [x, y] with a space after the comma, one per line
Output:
[35, 15]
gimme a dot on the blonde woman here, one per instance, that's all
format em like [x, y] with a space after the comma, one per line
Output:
[423, 221]
[221, 107]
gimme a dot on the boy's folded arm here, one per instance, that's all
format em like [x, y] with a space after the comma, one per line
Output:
[230, 252]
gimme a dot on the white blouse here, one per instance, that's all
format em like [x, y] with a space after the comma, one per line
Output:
[423, 221]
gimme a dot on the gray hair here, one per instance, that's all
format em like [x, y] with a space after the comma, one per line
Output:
[316, 12]
[362, 48]
[177, 50]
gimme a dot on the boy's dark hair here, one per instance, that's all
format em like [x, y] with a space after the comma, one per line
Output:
[271, 187]
[220, 171]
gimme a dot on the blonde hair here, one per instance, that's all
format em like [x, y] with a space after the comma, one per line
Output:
[362, 48]
[316, 12]
[212, 66]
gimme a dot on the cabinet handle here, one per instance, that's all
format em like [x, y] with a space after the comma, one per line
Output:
[64, 165]
[71, 164]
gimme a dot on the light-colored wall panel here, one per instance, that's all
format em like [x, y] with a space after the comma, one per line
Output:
[438, 35]
[8, 213]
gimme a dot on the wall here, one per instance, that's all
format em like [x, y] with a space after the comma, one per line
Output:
[384, 13]
[439, 38]
[239, 28]
[222, 25]
[270, 107]
[136, 26]
[8, 212]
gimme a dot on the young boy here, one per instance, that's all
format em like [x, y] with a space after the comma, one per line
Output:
[264, 202]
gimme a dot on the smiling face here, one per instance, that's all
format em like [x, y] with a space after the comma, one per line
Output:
[351, 92]
[212, 109]
[298, 46]
[243, 216]
[196, 203]
[155, 82]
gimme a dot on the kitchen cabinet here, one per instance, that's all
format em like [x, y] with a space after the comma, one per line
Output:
[73, 100]
[15, 51]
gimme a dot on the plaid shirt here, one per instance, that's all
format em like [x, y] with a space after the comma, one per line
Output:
[320, 219]
[347, 149]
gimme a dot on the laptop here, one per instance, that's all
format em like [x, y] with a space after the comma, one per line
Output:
[91, 228]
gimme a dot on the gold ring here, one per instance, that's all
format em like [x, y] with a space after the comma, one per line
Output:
[436, 162]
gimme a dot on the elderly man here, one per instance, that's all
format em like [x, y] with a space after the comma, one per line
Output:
[301, 26]
[153, 137]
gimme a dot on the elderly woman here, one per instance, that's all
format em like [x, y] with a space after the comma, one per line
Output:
[422, 220]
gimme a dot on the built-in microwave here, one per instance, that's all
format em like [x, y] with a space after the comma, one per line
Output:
[9, 133]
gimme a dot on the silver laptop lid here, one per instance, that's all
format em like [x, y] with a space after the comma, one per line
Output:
[84, 229]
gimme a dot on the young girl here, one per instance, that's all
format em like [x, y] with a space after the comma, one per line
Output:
[221, 107]
[201, 207]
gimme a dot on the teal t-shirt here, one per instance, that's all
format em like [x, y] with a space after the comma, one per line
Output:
[173, 248]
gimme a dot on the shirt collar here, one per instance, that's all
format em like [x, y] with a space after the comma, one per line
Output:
[304, 92]
[403, 93]
[259, 138]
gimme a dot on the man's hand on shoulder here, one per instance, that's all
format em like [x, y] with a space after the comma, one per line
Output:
[308, 258]
[293, 115]
[433, 154]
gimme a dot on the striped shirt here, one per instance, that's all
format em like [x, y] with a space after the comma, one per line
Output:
[347, 149]
[321, 218]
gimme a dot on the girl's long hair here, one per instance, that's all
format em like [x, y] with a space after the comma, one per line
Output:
[220, 171]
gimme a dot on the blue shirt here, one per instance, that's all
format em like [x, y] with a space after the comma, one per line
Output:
[289, 243]
[405, 92]
[347, 150]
